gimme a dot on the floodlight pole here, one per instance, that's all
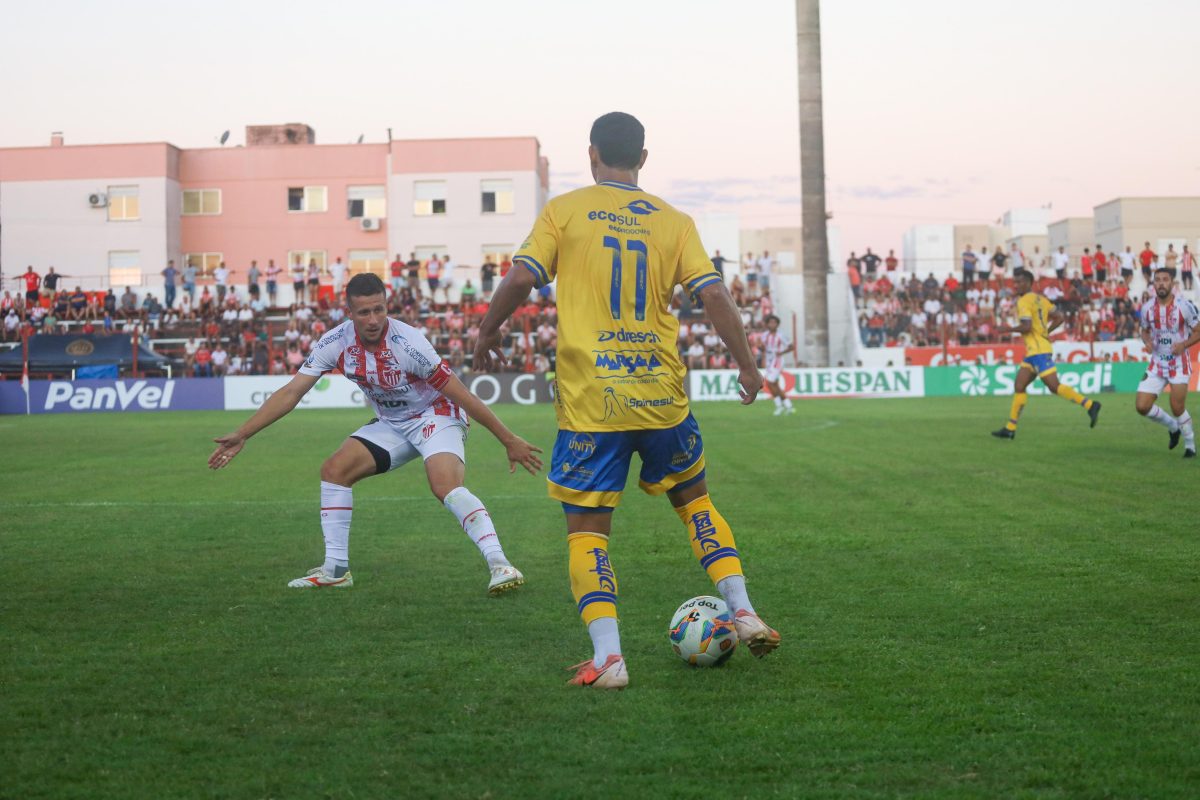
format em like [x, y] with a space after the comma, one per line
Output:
[815, 243]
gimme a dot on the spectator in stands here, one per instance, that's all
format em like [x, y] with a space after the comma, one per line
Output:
[413, 274]
[1170, 259]
[467, 295]
[968, 266]
[1016, 257]
[1100, 265]
[487, 278]
[221, 279]
[202, 362]
[61, 304]
[129, 307]
[891, 262]
[32, 283]
[337, 271]
[50, 282]
[297, 275]
[433, 275]
[718, 262]
[253, 275]
[1147, 257]
[273, 282]
[294, 358]
[870, 263]
[12, 324]
[78, 304]
[396, 274]
[1187, 262]
[108, 326]
[983, 265]
[855, 279]
[151, 311]
[314, 281]
[999, 258]
[189, 280]
[738, 290]
[750, 270]
[220, 360]
[1085, 264]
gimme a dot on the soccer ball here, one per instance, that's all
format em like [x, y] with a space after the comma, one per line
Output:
[702, 633]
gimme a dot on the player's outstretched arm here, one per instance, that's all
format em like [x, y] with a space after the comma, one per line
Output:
[513, 290]
[727, 321]
[519, 451]
[278, 405]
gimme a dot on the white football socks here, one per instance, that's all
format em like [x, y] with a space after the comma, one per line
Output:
[477, 522]
[787, 402]
[1156, 414]
[778, 401]
[336, 505]
[606, 639]
[1189, 434]
[733, 589]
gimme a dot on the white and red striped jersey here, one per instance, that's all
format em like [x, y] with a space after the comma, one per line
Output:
[402, 379]
[775, 345]
[1168, 325]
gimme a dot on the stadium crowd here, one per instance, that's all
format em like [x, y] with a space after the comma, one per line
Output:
[966, 308]
[213, 325]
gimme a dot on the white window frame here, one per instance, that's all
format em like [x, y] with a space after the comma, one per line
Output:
[373, 199]
[426, 206]
[503, 199]
[374, 261]
[127, 270]
[307, 198]
[207, 261]
[200, 195]
[307, 255]
[118, 197]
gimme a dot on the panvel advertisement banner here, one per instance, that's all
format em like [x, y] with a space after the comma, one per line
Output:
[1065, 352]
[144, 394]
[722, 384]
[975, 380]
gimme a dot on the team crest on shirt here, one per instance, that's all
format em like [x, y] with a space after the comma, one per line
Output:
[389, 376]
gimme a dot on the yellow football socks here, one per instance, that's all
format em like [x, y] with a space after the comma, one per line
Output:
[593, 581]
[1014, 414]
[712, 539]
[1067, 393]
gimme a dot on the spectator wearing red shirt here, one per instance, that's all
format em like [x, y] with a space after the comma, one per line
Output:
[1100, 265]
[1085, 262]
[33, 283]
[396, 270]
[855, 280]
[203, 362]
[1147, 257]
[891, 261]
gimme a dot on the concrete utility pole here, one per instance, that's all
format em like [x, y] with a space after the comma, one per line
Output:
[815, 246]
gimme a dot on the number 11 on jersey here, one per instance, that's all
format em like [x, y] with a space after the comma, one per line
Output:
[641, 276]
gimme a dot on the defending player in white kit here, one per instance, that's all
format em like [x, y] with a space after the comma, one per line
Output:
[1170, 325]
[775, 347]
[420, 406]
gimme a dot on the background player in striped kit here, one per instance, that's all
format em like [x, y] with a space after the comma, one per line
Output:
[775, 347]
[1170, 325]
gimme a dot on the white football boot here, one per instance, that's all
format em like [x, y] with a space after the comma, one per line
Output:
[504, 578]
[318, 578]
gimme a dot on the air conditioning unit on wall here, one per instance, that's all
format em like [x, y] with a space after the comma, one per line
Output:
[97, 200]
[370, 223]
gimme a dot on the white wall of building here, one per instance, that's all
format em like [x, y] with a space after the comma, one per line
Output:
[463, 231]
[49, 223]
[1026, 222]
[929, 248]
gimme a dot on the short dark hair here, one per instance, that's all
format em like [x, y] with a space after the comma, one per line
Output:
[364, 284]
[620, 138]
[1167, 270]
[1023, 273]
[769, 318]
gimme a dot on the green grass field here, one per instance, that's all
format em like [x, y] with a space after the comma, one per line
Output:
[962, 617]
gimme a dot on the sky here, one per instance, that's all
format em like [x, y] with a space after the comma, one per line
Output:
[935, 111]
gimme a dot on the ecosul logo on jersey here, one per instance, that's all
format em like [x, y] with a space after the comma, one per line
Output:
[640, 207]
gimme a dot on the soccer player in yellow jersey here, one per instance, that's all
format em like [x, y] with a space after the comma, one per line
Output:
[618, 253]
[1036, 320]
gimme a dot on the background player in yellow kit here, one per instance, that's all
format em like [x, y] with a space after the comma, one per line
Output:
[1036, 320]
[618, 254]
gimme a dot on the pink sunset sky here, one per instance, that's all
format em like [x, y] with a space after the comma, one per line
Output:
[935, 111]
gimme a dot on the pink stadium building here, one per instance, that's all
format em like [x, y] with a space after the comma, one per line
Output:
[113, 215]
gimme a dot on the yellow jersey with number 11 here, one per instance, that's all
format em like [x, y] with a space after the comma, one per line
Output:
[1035, 308]
[618, 253]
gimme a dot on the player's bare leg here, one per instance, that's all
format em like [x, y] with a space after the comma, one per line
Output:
[1145, 405]
[1025, 377]
[713, 544]
[1179, 409]
[446, 473]
[347, 466]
